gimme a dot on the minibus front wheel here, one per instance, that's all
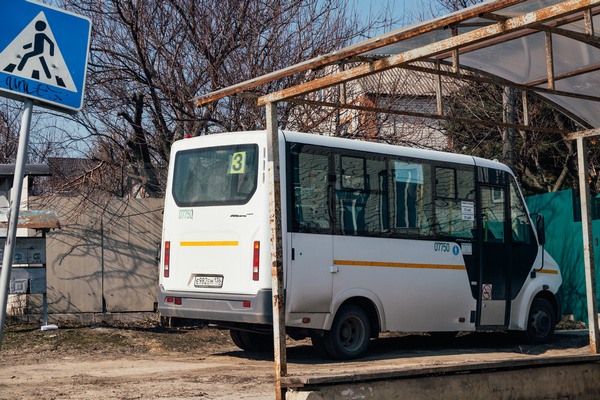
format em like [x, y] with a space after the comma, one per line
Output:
[349, 335]
[541, 321]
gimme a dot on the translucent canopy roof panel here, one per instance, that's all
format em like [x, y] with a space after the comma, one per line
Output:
[521, 56]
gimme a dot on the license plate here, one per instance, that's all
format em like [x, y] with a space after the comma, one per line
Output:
[208, 281]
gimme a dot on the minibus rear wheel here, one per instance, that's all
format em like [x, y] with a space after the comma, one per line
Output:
[252, 341]
[349, 335]
[236, 336]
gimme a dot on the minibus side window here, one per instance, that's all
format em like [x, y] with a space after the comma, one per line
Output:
[310, 189]
[455, 202]
[411, 198]
[519, 220]
[361, 200]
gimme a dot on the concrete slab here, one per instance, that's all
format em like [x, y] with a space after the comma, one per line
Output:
[568, 377]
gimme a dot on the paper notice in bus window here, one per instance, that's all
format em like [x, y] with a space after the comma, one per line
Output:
[408, 172]
[467, 249]
[238, 163]
[468, 210]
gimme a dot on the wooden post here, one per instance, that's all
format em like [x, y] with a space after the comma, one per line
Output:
[588, 248]
[276, 248]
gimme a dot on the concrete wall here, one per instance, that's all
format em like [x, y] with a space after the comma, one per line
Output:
[104, 257]
[545, 379]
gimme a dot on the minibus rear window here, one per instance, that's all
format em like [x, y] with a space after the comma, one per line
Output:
[224, 175]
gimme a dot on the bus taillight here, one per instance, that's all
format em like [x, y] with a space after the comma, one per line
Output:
[167, 258]
[255, 261]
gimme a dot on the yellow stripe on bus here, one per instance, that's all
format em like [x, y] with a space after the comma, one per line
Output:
[397, 265]
[547, 271]
[213, 243]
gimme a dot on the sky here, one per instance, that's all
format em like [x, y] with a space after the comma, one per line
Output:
[402, 10]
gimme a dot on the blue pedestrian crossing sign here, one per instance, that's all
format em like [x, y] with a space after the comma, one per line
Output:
[43, 54]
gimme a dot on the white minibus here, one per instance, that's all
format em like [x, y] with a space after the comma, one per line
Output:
[376, 238]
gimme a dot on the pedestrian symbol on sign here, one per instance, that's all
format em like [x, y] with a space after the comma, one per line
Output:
[38, 49]
[34, 54]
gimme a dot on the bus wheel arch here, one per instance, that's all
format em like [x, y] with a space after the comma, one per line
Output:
[552, 299]
[366, 300]
[370, 309]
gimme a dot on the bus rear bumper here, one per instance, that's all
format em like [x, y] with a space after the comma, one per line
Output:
[253, 309]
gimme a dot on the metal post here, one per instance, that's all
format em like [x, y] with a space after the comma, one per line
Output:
[550, 60]
[525, 108]
[508, 134]
[439, 90]
[276, 248]
[588, 249]
[13, 216]
[44, 310]
[455, 54]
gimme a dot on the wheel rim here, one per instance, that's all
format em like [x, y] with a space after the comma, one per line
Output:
[352, 333]
[540, 322]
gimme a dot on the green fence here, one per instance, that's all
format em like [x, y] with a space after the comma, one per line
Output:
[564, 242]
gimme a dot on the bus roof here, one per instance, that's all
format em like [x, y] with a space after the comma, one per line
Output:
[350, 144]
[383, 148]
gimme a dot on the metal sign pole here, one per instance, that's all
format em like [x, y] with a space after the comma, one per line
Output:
[13, 219]
[276, 249]
[588, 248]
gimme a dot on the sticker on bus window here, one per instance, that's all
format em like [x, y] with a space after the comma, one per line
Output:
[238, 163]
[486, 292]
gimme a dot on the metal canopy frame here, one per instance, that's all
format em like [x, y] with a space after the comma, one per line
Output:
[544, 47]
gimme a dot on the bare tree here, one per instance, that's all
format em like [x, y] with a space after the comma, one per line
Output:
[150, 58]
[9, 132]
[41, 137]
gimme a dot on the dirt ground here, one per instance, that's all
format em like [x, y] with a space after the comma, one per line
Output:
[147, 361]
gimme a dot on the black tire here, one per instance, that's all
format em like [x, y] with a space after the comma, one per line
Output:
[443, 337]
[349, 335]
[318, 344]
[257, 342]
[541, 322]
[236, 336]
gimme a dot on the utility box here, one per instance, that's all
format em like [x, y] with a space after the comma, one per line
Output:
[28, 274]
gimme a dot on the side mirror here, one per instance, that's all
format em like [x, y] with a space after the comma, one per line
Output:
[541, 228]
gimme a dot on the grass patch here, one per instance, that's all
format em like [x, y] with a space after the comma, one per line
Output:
[119, 338]
[569, 324]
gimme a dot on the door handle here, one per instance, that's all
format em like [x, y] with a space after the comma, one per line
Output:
[334, 269]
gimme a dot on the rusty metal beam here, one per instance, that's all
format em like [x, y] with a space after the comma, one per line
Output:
[455, 54]
[583, 134]
[589, 22]
[549, 61]
[359, 48]
[524, 21]
[439, 94]
[525, 108]
[588, 248]
[276, 249]
[566, 75]
[424, 115]
[590, 40]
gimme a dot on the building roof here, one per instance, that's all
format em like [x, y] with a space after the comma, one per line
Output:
[8, 170]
